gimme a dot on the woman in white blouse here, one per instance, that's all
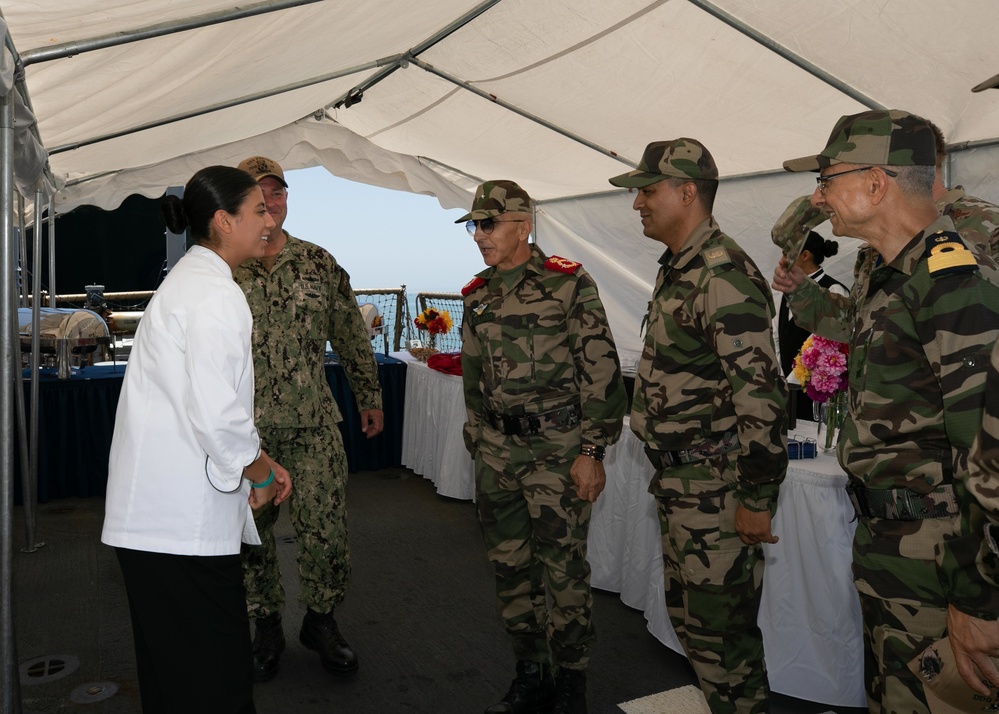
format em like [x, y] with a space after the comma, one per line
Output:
[186, 463]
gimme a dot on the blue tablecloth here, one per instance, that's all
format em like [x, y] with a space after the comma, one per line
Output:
[76, 421]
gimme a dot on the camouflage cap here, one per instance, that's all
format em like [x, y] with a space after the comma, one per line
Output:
[679, 158]
[881, 137]
[990, 83]
[495, 197]
[261, 167]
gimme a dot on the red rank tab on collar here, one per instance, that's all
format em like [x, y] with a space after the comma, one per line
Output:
[472, 285]
[562, 265]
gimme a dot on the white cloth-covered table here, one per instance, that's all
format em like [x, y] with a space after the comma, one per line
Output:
[810, 614]
[432, 443]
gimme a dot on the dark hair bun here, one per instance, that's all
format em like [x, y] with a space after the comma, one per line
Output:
[830, 248]
[174, 215]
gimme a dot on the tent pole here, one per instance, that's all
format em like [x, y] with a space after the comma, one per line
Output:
[21, 256]
[29, 493]
[10, 686]
[517, 110]
[68, 49]
[787, 54]
[52, 261]
[414, 51]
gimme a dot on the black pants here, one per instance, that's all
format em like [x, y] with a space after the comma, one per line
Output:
[191, 632]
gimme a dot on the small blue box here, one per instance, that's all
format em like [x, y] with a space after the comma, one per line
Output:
[801, 449]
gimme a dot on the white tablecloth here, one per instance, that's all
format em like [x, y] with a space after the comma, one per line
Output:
[810, 615]
[432, 444]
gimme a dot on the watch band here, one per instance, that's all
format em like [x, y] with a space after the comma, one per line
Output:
[596, 453]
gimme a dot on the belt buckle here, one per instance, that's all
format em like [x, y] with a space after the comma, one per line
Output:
[858, 500]
[511, 425]
[672, 458]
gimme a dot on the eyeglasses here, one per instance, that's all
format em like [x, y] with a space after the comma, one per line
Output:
[486, 225]
[823, 181]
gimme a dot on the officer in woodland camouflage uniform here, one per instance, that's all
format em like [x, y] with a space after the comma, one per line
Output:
[919, 349]
[710, 405]
[975, 639]
[544, 397]
[976, 220]
[300, 298]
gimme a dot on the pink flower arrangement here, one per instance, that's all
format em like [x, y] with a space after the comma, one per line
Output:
[820, 367]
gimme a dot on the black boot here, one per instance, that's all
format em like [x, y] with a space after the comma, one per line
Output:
[570, 692]
[268, 644]
[530, 692]
[320, 633]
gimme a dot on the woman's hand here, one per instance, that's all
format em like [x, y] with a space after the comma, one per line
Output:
[259, 471]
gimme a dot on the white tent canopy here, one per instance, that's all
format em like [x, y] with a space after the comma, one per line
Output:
[557, 95]
[437, 95]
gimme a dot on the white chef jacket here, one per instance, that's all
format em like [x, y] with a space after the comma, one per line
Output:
[184, 428]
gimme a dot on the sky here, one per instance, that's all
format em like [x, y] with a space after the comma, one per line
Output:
[383, 238]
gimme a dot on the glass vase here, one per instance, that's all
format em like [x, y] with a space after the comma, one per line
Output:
[831, 415]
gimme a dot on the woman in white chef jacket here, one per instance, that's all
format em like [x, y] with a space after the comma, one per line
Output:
[186, 463]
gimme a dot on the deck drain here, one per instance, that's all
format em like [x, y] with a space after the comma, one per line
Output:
[93, 692]
[48, 668]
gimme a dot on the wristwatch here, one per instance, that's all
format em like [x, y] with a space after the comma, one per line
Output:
[596, 453]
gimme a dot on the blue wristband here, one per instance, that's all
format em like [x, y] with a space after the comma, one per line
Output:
[264, 483]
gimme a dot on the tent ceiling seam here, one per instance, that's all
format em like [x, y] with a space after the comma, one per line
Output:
[409, 118]
[464, 84]
[356, 92]
[779, 49]
[579, 45]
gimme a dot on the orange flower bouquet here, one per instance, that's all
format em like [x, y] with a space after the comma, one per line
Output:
[433, 322]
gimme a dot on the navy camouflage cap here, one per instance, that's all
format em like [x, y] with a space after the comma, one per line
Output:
[679, 158]
[495, 197]
[880, 137]
[261, 167]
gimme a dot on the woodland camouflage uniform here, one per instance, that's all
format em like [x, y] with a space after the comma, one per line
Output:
[303, 301]
[920, 341]
[982, 511]
[709, 379]
[537, 342]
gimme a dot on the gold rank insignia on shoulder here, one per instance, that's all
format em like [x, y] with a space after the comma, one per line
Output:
[472, 285]
[714, 256]
[946, 253]
[562, 265]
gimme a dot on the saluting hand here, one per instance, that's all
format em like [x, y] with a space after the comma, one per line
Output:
[787, 280]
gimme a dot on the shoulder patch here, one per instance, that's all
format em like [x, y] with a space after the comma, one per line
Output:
[562, 265]
[471, 285]
[946, 253]
[715, 255]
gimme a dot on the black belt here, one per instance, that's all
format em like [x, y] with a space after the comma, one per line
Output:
[533, 424]
[706, 449]
[902, 504]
